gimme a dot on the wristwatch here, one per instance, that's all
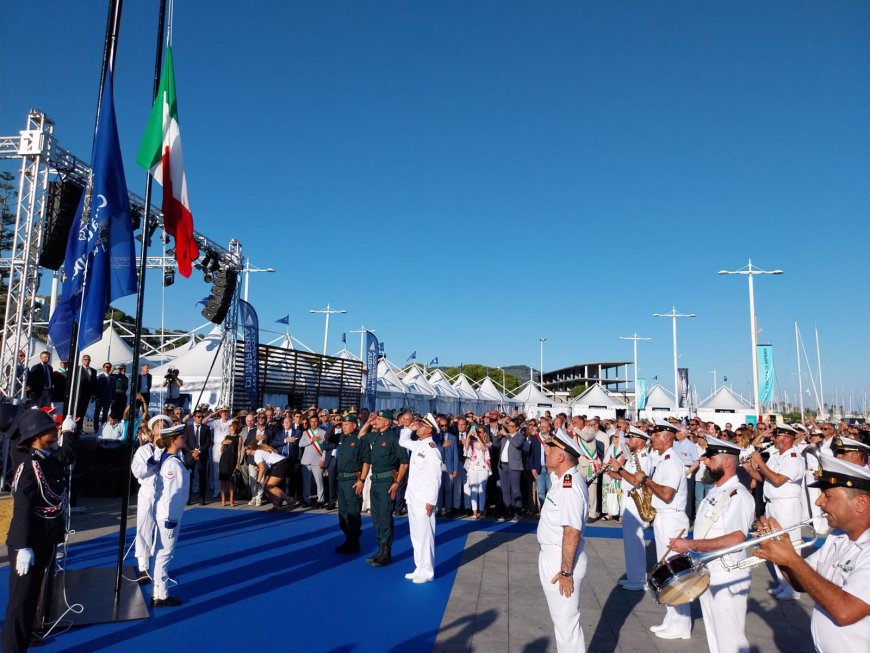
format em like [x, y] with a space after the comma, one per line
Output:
[566, 574]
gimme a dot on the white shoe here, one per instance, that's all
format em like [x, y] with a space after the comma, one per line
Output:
[657, 628]
[667, 633]
[258, 501]
[252, 501]
[412, 575]
[776, 590]
[422, 579]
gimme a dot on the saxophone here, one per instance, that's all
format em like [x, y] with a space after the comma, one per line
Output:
[641, 496]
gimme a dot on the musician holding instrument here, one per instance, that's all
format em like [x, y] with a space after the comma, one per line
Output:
[562, 560]
[782, 476]
[849, 449]
[632, 524]
[723, 520]
[837, 576]
[668, 488]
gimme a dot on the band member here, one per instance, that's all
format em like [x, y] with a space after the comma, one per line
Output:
[171, 489]
[837, 576]
[852, 450]
[723, 520]
[424, 485]
[634, 550]
[39, 491]
[562, 560]
[782, 475]
[668, 488]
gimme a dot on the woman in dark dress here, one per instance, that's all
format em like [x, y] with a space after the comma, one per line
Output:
[228, 462]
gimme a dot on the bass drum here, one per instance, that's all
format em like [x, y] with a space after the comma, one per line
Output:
[678, 580]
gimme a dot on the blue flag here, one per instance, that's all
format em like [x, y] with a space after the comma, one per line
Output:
[344, 337]
[380, 346]
[100, 262]
[373, 348]
[412, 357]
[433, 362]
[203, 301]
[284, 320]
[251, 329]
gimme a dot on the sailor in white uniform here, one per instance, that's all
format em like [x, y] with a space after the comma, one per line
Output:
[171, 489]
[837, 576]
[723, 520]
[424, 485]
[144, 467]
[562, 560]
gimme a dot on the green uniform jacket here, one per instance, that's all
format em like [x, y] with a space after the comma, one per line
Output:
[350, 453]
[384, 453]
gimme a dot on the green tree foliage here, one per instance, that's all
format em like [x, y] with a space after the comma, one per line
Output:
[578, 390]
[476, 372]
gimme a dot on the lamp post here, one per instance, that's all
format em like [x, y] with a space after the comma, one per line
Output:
[327, 311]
[362, 334]
[542, 341]
[674, 315]
[750, 271]
[635, 338]
[247, 270]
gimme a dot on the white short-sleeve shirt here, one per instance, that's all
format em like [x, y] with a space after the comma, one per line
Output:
[566, 505]
[669, 471]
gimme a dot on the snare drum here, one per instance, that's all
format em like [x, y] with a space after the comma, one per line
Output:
[678, 580]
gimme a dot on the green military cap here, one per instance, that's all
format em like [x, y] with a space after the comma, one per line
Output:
[349, 417]
[385, 413]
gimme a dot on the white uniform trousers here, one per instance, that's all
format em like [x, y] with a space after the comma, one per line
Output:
[723, 607]
[787, 512]
[565, 612]
[214, 480]
[144, 526]
[165, 550]
[632, 543]
[668, 524]
[475, 489]
[422, 528]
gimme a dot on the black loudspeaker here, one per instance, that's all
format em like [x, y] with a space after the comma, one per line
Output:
[60, 211]
[222, 293]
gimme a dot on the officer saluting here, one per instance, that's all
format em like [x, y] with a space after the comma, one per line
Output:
[38, 517]
[562, 560]
[837, 576]
[350, 485]
[388, 463]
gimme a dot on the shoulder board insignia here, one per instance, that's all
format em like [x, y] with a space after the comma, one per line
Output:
[566, 482]
[793, 454]
[433, 445]
[668, 457]
[733, 492]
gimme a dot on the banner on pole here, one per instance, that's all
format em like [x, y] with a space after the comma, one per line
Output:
[373, 349]
[683, 374]
[251, 329]
[765, 373]
[640, 394]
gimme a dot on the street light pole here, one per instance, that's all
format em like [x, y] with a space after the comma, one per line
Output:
[750, 271]
[674, 315]
[327, 311]
[362, 335]
[247, 270]
[542, 340]
[635, 338]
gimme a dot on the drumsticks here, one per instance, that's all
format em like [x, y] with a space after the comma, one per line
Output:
[679, 535]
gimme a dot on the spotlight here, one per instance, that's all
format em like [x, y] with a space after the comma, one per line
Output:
[135, 216]
[168, 277]
[207, 277]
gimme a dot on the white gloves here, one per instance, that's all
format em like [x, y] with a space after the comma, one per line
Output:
[23, 561]
[69, 424]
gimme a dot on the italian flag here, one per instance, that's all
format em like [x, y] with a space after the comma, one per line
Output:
[160, 154]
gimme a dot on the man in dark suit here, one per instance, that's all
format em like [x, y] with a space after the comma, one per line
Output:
[105, 395]
[197, 451]
[39, 381]
[145, 381]
[87, 387]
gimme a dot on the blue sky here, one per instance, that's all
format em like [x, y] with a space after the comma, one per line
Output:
[466, 177]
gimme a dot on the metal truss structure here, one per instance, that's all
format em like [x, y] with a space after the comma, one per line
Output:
[42, 157]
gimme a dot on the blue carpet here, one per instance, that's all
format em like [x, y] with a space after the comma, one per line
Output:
[251, 577]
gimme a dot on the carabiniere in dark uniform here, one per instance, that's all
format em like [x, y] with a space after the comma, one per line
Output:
[350, 484]
[40, 500]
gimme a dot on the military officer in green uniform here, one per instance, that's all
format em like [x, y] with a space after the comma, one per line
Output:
[350, 486]
[387, 462]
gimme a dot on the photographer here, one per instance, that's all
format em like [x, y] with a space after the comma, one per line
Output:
[173, 384]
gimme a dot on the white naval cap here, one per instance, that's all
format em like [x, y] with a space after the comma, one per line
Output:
[715, 445]
[836, 472]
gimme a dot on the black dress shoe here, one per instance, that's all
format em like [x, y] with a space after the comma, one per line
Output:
[144, 578]
[168, 602]
[382, 561]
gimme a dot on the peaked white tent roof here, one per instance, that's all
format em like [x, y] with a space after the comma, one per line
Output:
[488, 392]
[387, 379]
[659, 399]
[442, 386]
[194, 363]
[595, 395]
[724, 399]
[531, 395]
[463, 386]
[417, 383]
[111, 347]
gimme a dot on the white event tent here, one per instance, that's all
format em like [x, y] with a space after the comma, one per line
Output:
[490, 396]
[725, 406]
[659, 400]
[535, 403]
[193, 366]
[595, 401]
[448, 400]
[468, 397]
